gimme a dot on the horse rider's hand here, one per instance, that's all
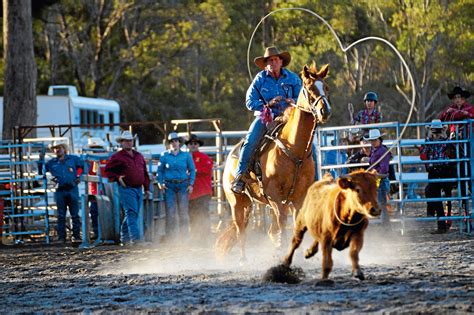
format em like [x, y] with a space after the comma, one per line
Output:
[190, 189]
[275, 101]
[162, 186]
[121, 182]
[365, 159]
[289, 101]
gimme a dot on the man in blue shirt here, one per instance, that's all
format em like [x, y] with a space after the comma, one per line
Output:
[173, 170]
[273, 88]
[66, 170]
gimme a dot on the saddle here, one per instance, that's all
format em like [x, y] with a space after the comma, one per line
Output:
[273, 130]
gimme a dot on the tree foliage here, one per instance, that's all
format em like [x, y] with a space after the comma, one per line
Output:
[170, 59]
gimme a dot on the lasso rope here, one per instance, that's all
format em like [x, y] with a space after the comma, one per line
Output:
[345, 49]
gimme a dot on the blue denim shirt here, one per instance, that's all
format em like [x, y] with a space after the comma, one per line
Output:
[65, 171]
[288, 85]
[176, 167]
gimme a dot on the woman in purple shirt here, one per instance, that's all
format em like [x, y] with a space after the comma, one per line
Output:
[379, 160]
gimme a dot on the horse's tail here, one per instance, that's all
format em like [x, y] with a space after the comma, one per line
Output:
[226, 240]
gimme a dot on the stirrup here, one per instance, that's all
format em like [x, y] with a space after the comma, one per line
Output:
[238, 185]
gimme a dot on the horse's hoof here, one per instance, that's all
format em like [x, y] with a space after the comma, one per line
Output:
[242, 261]
[358, 275]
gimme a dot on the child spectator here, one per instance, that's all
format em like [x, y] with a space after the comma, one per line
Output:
[380, 160]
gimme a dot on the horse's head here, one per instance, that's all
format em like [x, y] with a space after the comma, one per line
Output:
[315, 92]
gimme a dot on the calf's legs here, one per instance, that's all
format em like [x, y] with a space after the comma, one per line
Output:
[357, 242]
[295, 243]
[326, 249]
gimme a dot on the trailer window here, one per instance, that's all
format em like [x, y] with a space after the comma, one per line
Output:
[91, 117]
[111, 121]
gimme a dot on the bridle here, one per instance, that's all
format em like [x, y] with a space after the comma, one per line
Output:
[307, 152]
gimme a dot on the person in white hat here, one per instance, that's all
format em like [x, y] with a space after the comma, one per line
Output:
[380, 161]
[435, 152]
[66, 170]
[128, 168]
[95, 145]
[173, 178]
[272, 89]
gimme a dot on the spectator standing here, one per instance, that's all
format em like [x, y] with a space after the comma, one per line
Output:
[128, 168]
[382, 167]
[361, 156]
[176, 174]
[200, 197]
[369, 115]
[66, 170]
[270, 93]
[458, 110]
[98, 146]
[433, 152]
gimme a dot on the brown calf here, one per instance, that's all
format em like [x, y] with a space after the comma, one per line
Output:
[335, 213]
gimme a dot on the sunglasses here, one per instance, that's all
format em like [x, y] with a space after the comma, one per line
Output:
[174, 140]
[193, 143]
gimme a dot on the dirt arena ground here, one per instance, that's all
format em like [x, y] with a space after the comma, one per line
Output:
[416, 273]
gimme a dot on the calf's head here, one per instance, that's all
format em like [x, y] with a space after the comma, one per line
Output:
[360, 189]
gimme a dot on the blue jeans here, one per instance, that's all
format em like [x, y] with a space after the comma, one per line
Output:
[131, 201]
[68, 199]
[382, 193]
[256, 131]
[177, 207]
[94, 213]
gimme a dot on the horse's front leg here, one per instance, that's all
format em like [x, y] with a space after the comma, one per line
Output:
[280, 218]
[356, 244]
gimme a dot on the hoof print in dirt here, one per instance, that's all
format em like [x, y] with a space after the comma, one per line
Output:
[283, 274]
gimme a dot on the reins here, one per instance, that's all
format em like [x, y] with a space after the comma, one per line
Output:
[339, 219]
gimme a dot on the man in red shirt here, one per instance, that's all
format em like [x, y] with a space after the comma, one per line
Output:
[199, 199]
[128, 168]
[458, 110]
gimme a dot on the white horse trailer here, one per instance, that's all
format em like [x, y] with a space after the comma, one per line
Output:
[63, 106]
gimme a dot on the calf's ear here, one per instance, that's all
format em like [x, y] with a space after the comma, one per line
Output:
[345, 183]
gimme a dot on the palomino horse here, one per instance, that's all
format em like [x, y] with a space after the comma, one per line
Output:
[287, 165]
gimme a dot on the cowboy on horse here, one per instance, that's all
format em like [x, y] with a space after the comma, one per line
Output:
[271, 92]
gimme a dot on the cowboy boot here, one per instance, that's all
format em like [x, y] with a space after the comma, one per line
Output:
[238, 185]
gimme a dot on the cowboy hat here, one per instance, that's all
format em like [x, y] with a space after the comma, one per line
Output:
[193, 138]
[59, 143]
[458, 90]
[126, 135]
[374, 134]
[272, 51]
[173, 135]
[95, 143]
[436, 124]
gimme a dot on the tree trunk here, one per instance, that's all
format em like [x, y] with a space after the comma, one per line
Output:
[19, 102]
